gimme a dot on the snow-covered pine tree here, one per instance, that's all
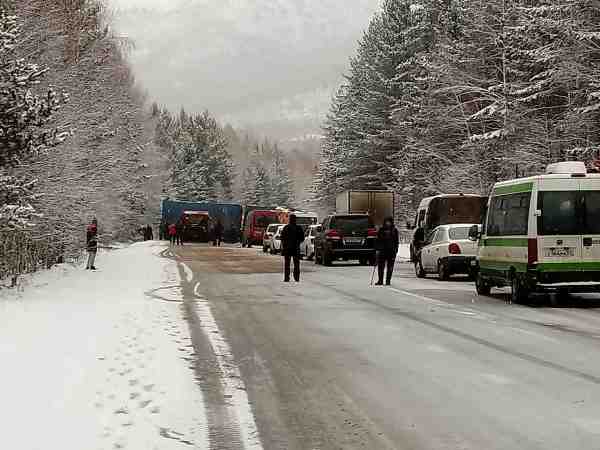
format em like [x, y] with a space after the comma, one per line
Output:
[23, 113]
[281, 184]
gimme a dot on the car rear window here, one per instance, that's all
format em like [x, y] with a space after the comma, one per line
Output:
[348, 224]
[561, 213]
[459, 233]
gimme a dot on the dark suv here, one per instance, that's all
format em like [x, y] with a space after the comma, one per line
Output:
[347, 237]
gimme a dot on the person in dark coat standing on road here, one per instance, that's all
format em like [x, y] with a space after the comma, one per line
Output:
[180, 227]
[91, 241]
[387, 245]
[148, 233]
[291, 238]
[218, 233]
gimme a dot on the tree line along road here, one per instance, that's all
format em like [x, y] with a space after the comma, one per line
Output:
[333, 363]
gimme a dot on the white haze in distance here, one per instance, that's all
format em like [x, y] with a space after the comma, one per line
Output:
[247, 61]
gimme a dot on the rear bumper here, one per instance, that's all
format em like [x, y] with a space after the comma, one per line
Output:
[459, 263]
[353, 253]
[572, 281]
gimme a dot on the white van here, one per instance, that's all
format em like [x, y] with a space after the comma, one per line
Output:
[542, 233]
[444, 209]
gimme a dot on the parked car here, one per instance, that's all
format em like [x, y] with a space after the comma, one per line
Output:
[347, 237]
[271, 230]
[276, 240]
[307, 249]
[448, 250]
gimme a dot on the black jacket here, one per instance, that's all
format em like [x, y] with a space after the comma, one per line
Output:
[91, 239]
[388, 240]
[291, 238]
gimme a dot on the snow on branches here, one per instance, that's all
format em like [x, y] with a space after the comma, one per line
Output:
[23, 113]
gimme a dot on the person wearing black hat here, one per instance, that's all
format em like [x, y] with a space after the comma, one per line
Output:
[291, 238]
[388, 241]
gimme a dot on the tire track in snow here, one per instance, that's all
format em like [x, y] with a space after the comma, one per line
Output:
[234, 389]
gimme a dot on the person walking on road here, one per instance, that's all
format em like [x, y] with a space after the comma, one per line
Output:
[92, 244]
[218, 234]
[387, 244]
[291, 238]
[172, 233]
[180, 228]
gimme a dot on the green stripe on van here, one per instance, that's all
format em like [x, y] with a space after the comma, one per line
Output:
[501, 266]
[513, 189]
[570, 266]
[504, 242]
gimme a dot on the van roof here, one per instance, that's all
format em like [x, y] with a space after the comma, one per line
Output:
[535, 178]
[427, 200]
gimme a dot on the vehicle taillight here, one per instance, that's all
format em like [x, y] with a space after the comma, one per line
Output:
[532, 251]
[372, 233]
[454, 249]
[333, 235]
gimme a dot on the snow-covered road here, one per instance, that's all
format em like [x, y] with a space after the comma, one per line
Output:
[206, 348]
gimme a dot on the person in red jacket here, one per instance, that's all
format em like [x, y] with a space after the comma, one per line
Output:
[92, 244]
[172, 233]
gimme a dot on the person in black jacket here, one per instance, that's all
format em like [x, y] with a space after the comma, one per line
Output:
[291, 238]
[387, 245]
[218, 233]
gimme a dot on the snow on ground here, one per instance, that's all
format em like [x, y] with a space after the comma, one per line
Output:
[403, 253]
[100, 360]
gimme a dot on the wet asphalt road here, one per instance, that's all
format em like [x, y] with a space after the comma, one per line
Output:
[333, 363]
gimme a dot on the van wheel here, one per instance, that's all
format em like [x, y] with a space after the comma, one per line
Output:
[419, 272]
[443, 271]
[481, 286]
[519, 293]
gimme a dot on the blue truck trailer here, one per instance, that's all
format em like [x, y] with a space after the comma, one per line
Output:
[229, 214]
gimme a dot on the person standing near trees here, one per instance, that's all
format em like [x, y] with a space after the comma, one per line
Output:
[92, 244]
[291, 238]
[388, 241]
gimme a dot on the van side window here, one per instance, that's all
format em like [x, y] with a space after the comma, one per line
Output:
[421, 218]
[509, 215]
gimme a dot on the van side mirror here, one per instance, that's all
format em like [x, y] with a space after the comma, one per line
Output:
[474, 233]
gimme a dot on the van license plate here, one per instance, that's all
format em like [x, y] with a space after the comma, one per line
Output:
[559, 252]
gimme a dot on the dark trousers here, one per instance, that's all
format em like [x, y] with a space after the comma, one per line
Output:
[217, 241]
[173, 239]
[179, 239]
[288, 261]
[384, 259]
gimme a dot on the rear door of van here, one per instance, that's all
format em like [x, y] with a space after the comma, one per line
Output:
[590, 198]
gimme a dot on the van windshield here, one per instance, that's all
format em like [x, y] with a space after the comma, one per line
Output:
[264, 221]
[569, 213]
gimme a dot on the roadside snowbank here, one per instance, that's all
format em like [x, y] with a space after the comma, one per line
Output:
[100, 360]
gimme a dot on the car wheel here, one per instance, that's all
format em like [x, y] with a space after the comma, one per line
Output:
[443, 271]
[419, 272]
[481, 286]
[264, 249]
[518, 292]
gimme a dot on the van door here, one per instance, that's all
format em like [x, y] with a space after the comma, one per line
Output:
[590, 240]
[560, 224]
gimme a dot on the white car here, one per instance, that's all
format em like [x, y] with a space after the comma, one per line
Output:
[268, 236]
[276, 240]
[307, 249]
[447, 251]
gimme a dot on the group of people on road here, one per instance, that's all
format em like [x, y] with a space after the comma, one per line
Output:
[387, 244]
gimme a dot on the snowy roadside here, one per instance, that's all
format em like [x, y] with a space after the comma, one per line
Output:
[100, 360]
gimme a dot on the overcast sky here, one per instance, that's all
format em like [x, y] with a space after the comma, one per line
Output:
[244, 60]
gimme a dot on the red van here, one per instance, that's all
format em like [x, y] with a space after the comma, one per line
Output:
[255, 225]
